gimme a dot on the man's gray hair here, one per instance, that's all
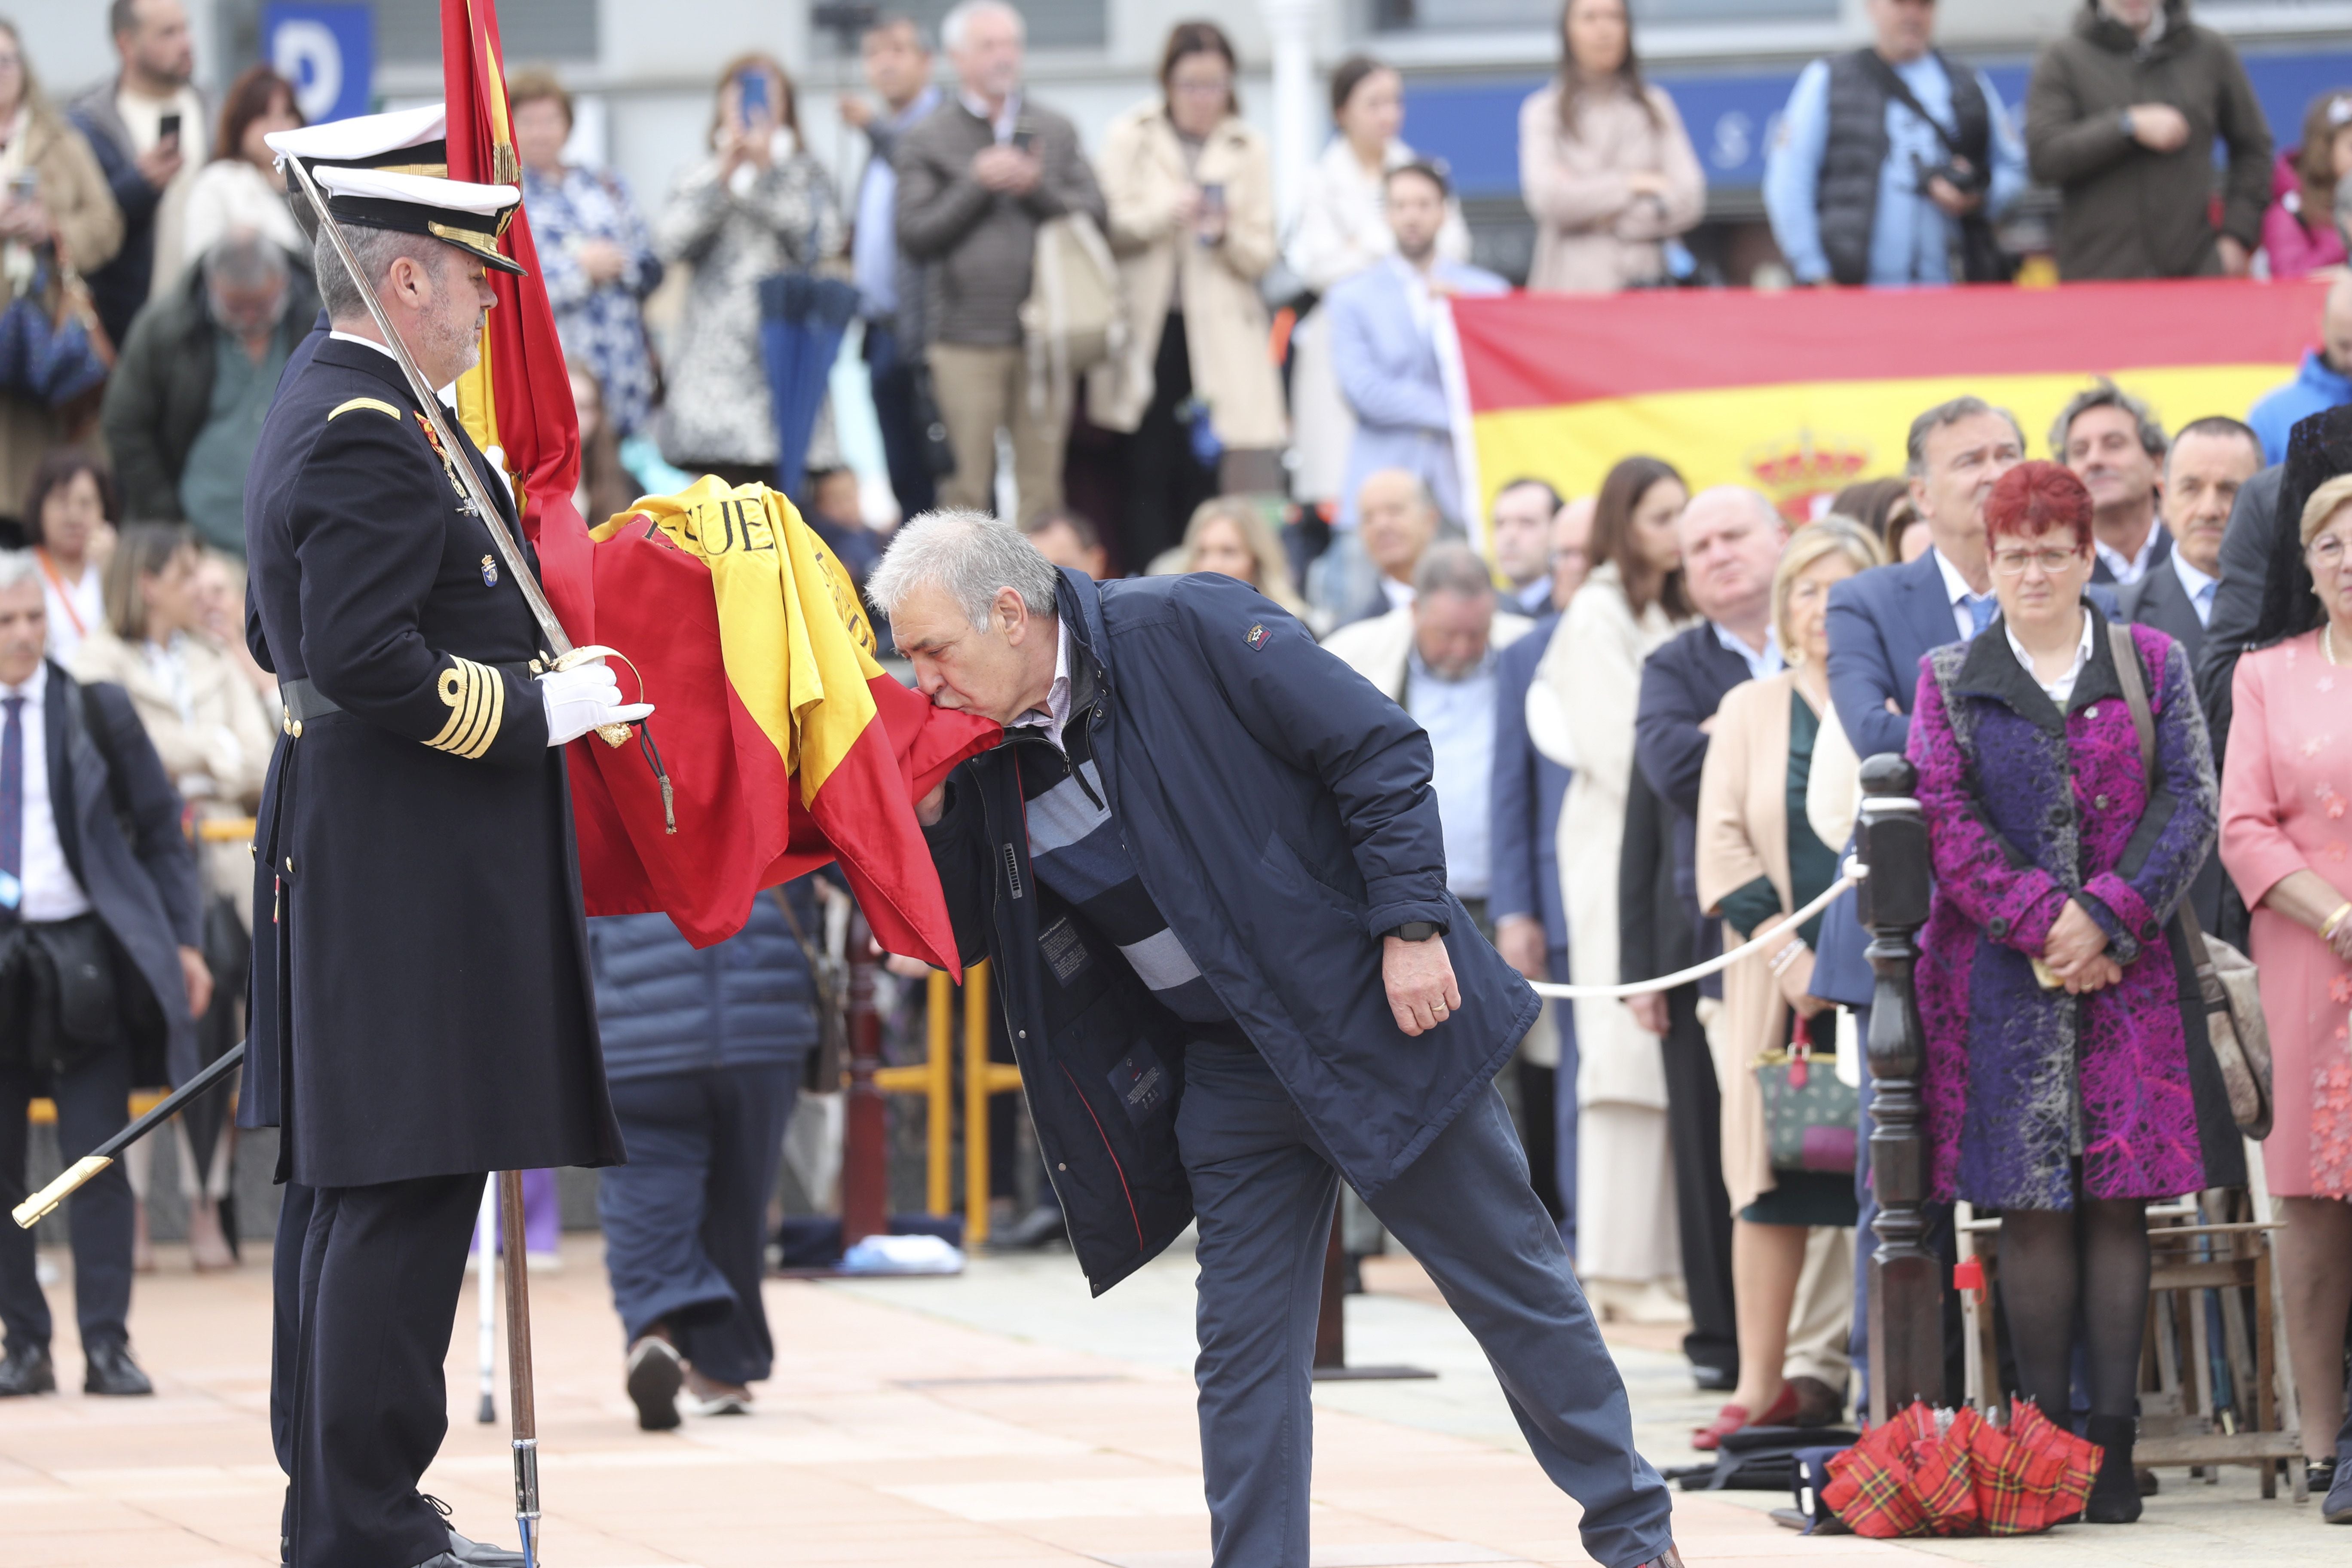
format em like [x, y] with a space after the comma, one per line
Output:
[375, 249]
[2105, 393]
[954, 26]
[969, 554]
[18, 566]
[244, 261]
[1450, 568]
[1915, 446]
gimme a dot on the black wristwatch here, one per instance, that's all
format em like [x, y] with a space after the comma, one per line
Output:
[1417, 930]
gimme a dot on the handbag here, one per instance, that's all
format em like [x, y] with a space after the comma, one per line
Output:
[1811, 1118]
[53, 352]
[2226, 979]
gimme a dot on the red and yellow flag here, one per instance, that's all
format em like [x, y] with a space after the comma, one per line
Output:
[753, 626]
[785, 745]
[1801, 393]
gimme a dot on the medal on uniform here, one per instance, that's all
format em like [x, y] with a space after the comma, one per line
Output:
[465, 502]
[489, 573]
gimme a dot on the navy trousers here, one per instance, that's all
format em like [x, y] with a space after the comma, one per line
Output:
[376, 1296]
[686, 1219]
[93, 1103]
[1264, 1185]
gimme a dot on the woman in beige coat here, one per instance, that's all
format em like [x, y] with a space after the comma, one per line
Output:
[53, 205]
[1190, 188]
[1758, 860]
[1580, 708]
[1604, 164]
[209, 727]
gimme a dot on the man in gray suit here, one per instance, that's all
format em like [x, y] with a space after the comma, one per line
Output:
[2211, 461]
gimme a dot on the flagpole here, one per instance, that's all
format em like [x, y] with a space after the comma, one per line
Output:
[521, 1394]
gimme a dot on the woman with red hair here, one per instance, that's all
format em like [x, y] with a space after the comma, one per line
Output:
[2068, 1081]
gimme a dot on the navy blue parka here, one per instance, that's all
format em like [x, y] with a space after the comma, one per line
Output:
[1278, 809]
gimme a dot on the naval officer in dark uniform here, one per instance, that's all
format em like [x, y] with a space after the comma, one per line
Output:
[422, 1011]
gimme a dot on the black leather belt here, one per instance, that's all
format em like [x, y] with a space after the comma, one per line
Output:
[303, 702]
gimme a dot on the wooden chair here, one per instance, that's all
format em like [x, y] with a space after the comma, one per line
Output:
[2207, 1253]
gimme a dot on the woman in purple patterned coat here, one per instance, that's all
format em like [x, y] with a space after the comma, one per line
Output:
[2066, 1083]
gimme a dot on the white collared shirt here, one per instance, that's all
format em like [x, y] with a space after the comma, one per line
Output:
[1399, 594]
[2128, 569]
[2061, 688]
[50, 891]
[1057, 711]
[1004, 120]
[1762, 662]
[1957, 589]
[2199, 586]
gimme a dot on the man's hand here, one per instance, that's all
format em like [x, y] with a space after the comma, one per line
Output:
[855, 112]
[160, 162]
[2236, 259]
[1649, 1010]
[1420, 980]
[1951, 199]
[2160, 127]
[932, 806]
[602, 260]
[1520, 940]
[1007, 170]
[2074, 942]
[199, 979]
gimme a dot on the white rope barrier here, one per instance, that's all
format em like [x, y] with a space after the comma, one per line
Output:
[1851, 873]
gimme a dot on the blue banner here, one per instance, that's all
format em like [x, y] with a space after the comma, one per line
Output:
[327, 49]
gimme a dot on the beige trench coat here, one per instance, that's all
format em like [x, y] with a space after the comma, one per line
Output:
[1592, 235]
[1743, 833]
[1225, 326]
[224, 742]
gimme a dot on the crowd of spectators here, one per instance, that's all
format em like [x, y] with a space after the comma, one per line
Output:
[1646, 705]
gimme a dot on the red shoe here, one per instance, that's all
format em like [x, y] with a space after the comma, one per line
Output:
[1734, 1417]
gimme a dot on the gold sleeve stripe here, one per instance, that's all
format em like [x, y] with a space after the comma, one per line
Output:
[378, 404]
[475, 696]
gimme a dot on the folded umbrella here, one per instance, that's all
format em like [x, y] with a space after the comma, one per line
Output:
[802, 319]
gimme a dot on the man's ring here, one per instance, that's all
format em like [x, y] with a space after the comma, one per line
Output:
[1438, 1008]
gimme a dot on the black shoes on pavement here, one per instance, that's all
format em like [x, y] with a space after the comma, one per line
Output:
[111, 1371]
[2336, 1506]
[1041, 1228]
[27, 1371]
[2115, 1494]
[654, 1376]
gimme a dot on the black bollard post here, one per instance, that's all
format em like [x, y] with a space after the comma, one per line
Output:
[1907, 1286]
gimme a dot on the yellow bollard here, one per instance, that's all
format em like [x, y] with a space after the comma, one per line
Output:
[975, 1104]
[940, 1086]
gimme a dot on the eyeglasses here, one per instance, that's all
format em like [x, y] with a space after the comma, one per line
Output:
[2013, 563]
[2326, 553]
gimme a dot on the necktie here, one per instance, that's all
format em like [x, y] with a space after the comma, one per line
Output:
[1981, 608]
[12, 807]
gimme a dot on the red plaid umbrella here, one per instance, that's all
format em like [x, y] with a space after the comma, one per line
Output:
[1924, 1473]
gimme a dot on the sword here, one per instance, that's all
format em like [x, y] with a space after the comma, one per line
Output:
[563, 654]
[43, 1204]
[521, 1394]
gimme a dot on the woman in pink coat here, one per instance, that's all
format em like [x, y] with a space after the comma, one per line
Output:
[2286, 841]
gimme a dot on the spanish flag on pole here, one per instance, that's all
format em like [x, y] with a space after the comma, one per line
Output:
[784, 745]
[1801, 393]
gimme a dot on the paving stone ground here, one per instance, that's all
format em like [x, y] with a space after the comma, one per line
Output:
[998, 1417]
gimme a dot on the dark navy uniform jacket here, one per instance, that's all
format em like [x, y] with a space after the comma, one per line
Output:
[1278, 807]
[421, 1001]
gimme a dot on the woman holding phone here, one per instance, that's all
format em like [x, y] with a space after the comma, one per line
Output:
[758, 205]
[54, 203]
[1193, 393]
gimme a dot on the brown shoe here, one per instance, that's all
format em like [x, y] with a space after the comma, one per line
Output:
[1669, 1558]
[1817, 1404]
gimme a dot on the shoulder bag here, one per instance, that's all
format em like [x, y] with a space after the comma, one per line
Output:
[2226, 978]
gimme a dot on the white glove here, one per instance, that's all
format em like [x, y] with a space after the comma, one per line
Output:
[584, 699]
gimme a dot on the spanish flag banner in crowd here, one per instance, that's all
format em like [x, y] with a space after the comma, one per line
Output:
[782, 744]
[1802, 392]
